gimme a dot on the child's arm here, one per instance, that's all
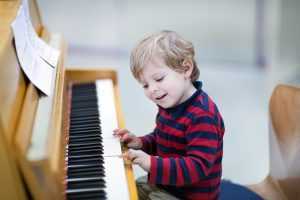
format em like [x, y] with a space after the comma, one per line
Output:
[149, 143]
[203, 159]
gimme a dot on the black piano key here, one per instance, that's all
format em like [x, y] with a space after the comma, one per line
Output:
[84, 136]
[86, 115]
[84, 160]
[83, 144]
[93, 182]
[85, 168]
[95, 125]
[80, 140]
[96, 146]
[86, 174]
[86, 139]
[83, 132]
[87, 98]
[92, 166]
[83, 114]
[84, 152]
[88, 130]
[83, 122]
[81, 118]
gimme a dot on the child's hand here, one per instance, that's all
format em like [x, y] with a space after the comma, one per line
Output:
[138, 157]
[131, 140]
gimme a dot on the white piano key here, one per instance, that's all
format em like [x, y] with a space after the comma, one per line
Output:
[115, 177]
[111, 147]
[106, 107]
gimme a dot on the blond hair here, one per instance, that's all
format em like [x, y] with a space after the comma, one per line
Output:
[172, 48]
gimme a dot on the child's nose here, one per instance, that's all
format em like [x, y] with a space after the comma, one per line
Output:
[153, 88]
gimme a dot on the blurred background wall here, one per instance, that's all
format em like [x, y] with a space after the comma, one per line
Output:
[243, 48]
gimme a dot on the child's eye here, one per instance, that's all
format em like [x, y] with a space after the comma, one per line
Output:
[160, 79]
[145, 86]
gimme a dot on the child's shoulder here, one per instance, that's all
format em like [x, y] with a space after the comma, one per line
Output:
[203, 105]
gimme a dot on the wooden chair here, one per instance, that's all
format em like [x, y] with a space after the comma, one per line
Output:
[283, 181]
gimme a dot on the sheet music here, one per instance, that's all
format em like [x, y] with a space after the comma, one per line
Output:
[37, 59]
[48, 53]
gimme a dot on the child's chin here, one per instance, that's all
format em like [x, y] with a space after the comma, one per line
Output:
[165, 106]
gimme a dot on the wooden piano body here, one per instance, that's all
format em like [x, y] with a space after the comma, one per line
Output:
[33, 128]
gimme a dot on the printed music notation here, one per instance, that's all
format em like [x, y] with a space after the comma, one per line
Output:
[37, 59]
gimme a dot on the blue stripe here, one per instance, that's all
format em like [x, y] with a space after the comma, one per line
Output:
[220, 147]
[205, 101]
[202, 135]
[198, 168]
[219, 160]
[189, 115]
[186, 175]
[204, 161]
[169, 137]
[171, 150]
[205, 120]
[173, 171]
[213, 175]
[222, 124]
[209, 150]
[159, 170]
[172, 123]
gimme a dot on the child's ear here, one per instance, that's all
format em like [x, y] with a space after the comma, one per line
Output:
[188, 67]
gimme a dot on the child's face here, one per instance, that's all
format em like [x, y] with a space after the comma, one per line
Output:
[164, 86]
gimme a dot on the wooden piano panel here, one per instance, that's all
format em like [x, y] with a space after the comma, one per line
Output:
[13, 86]
[13, 83]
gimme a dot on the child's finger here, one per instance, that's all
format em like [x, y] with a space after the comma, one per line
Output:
[126, 158]
[126, 138]
[119, 132]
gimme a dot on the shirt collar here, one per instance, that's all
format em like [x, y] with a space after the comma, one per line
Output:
[178, 110]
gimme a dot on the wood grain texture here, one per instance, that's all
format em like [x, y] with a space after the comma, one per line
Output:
[283, 181]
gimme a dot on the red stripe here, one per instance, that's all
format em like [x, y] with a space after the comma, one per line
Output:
[210, 158]
[184, 120]
[170, 130]
[204, 142]
[169, 143]
[166, 171]
[203, 127]
[166, 155]
[153, 173]
[211, 182]
[180, 180]
[165, 115]
[211, 105]
[192, 170]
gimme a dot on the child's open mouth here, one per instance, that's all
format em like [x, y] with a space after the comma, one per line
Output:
[161, 97]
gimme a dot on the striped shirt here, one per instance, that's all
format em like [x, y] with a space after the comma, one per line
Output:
[186, 148]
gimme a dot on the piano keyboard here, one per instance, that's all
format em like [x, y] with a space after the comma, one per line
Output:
[94, 168]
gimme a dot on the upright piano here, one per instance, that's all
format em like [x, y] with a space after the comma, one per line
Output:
[58, 146]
